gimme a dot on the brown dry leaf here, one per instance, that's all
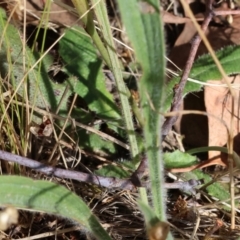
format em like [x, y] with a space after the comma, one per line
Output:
[218, 102]
[180, 52]
[170, 18]
[58, 15]
[218, 36]
[34, 9]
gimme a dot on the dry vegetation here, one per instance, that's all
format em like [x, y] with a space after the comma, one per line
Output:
[117, 209]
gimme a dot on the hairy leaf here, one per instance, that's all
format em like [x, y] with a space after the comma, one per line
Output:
[178, 159]
[205, 69]
[145, 31]
[51, 198]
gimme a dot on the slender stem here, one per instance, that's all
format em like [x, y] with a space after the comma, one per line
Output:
[104, 24]
[87, 18]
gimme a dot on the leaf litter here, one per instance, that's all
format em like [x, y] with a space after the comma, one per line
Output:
[117, 210]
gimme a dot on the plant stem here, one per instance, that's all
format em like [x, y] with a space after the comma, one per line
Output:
[104, 24]
[86, 16]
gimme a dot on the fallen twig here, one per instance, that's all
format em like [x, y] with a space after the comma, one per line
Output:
[108, 182]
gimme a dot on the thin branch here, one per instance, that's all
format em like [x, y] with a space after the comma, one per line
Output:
[226, 12]
[138, 174]
[108, 182]
[178, 90]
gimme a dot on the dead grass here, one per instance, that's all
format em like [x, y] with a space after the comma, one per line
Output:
[117, 210]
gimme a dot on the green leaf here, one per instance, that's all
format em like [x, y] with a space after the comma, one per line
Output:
[145, 31]
[48, 197]
[41, 90]
[112, 171]
[117, 171]
[86, 15]
[216, 189]
[178, 159]
[79, 54]
[205, 69]
[94, 142]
